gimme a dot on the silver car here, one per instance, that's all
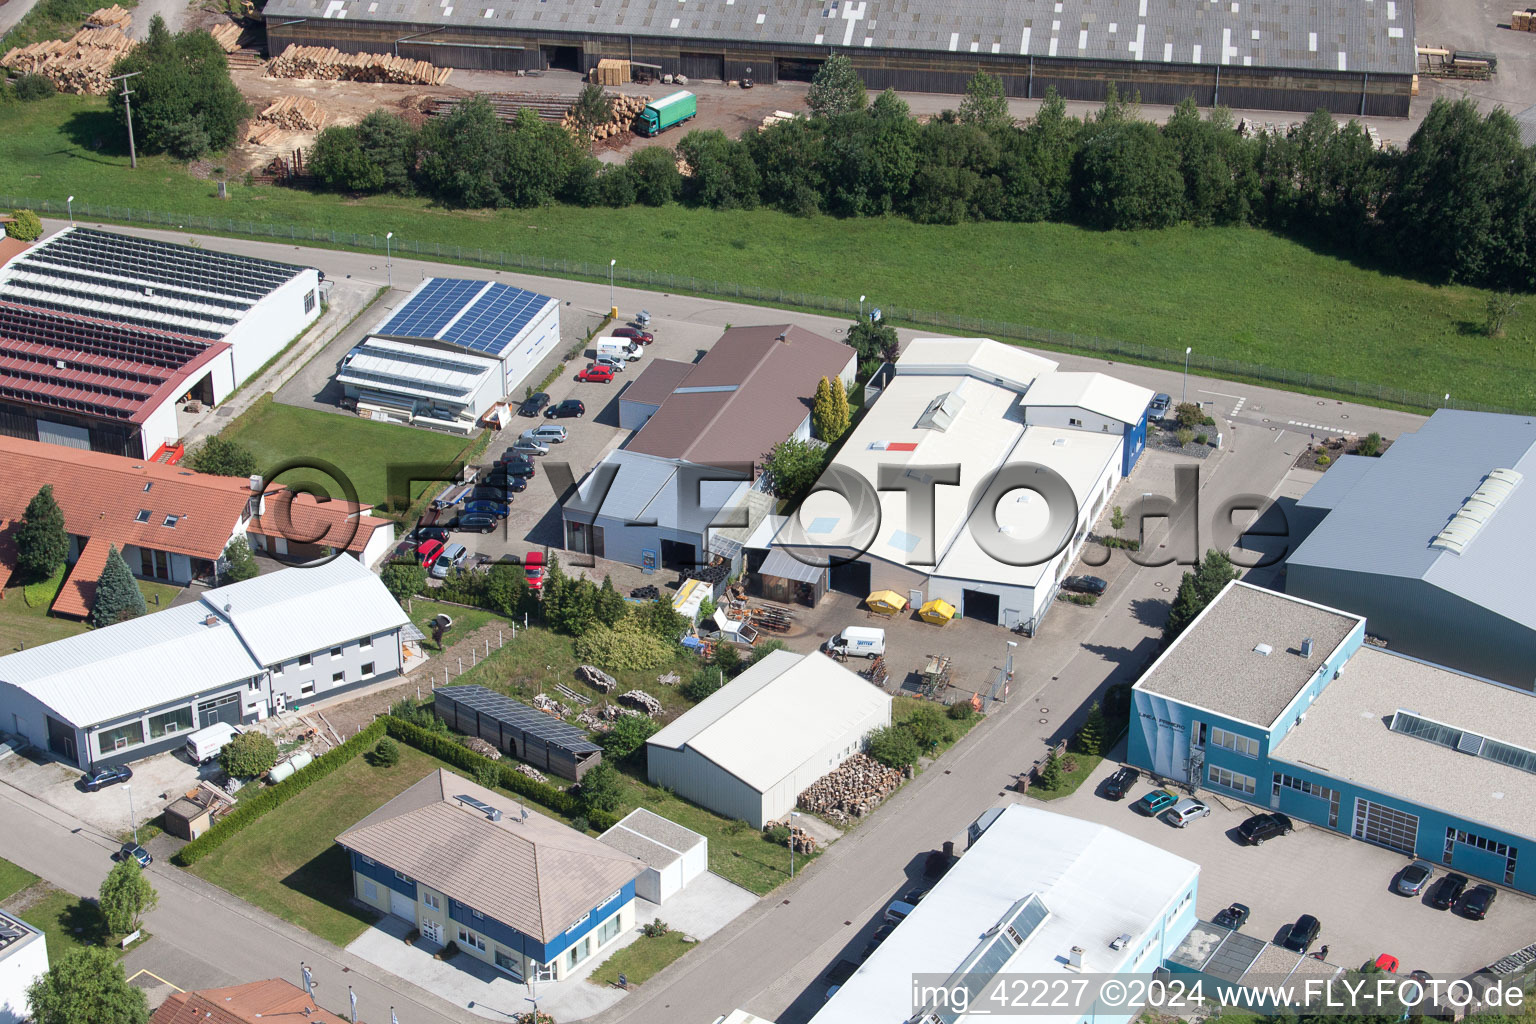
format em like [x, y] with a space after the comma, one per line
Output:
[549, 433]
[1415, 877]
[528, 446]
[1186, 811]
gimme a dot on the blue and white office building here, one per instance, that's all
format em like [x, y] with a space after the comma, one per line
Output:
[1278, 702]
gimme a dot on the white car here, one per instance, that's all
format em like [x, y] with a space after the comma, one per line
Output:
[1186, 811]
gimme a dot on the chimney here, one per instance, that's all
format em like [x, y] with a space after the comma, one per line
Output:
[1306, 648]
[255, 481]
[1076, 957]
[949, 849]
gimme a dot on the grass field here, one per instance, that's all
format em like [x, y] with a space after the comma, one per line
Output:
[13, 879]
[465, 621]
[642, 959]
[359, 448]
[23, 624]
[1234, 293]
[1086, 763]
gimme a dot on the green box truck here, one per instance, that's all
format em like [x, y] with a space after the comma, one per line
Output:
[657, 117]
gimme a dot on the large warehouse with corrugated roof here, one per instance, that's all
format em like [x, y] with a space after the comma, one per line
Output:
[1349, 57]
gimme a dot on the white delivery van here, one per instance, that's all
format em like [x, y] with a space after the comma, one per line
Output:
[619, 348]
[858, 642]
[205, 744]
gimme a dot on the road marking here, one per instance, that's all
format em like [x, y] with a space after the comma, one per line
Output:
[1223, 394]
[1239, 406]
[157, 977]
[1312, 426]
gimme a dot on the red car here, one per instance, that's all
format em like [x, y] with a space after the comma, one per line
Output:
[596, 374]
[643, 337]
[1387, 962]
[534, 571]
[427, 553]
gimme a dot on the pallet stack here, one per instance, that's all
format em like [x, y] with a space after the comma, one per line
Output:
[611, 72]
[81, 63]
[227, 36]
[328, 64]
[1523, 21]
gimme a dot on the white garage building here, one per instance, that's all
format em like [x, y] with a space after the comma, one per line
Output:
[752, 747]
[673, 855]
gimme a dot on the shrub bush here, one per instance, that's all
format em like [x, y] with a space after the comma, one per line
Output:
[35, 87]
[1202, 438]
[26, 227]
[703, 683]
[656, 929]
[1184, 436]
[894, 747]
[626, 646]
[778, 835]
[248, 755]
[1323, 460]
[961, 712]
[386, 753]
[1370, 444]
[251, 808]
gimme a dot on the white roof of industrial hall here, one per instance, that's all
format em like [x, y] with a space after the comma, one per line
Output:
[769, 720]
[1347, 735]
[169, 655]
[402, 368]
[1216, 664]
[945, 406]
[647, 836]
[671, 494]
[1095, 884]
[1097, 392]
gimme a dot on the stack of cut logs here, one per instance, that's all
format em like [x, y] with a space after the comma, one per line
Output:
[624, 111]
[482, 748]
[326, 63]
[597, 678]
[642, 700]
[81, 63]
[227, 36]
[530, 771]
[288, 114]
[799, 840]
[855, 788]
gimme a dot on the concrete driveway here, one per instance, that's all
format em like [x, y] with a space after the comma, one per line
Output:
[156, 782]
[1345, 884]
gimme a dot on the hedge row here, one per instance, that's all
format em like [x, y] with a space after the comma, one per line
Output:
[251, 808]
[446, 748]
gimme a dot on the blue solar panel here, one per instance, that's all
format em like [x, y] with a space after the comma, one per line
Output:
[492, 322]
[426, 314]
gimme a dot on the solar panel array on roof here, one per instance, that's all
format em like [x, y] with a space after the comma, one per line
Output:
[519, 715]
[476, 316]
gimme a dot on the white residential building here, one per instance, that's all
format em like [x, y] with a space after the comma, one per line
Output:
[23, 959]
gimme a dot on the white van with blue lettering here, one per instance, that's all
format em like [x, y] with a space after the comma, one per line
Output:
[858, 642]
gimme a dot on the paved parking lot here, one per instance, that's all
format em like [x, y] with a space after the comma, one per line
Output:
[156, 782]
[1343, 883]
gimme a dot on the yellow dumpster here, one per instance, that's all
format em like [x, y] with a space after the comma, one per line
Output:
[886, 602]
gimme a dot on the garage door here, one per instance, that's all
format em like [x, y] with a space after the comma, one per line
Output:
[980, 606]
[851, 578]
[702, 65]
[402, 905]
[1386, 826]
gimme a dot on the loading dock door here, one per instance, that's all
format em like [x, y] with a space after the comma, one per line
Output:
[1386, 826]
[796, 70]
[979, 605]
[677, 555]
[702, 65]
[851, 578]
[402, 906]
[224, 709]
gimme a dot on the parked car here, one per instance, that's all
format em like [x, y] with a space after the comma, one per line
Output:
[1185, 811]
[1118, 785]
[133, 851]
[533, 404]
[549, 433]
[1300, 936]
[474, 522]
[915, 895]
[428, 551]
[516, 465]
[565, 410]
[1155, 802]
[1478, 902]
[1085, 585]
[1414, 878]
[596, 373]
[1234, 917]
[1422, 977]
[1264, 826]
[1448, 890]
[897, 912]
[107, 775]
[643, 337]
[612, 362]
[1387, 962]
[496, 508]
[534, 571]
[528, 446]
[453, 557]
[881, 934]
[425, 533]
[1160, 404]
[510, 483]
[487, 492]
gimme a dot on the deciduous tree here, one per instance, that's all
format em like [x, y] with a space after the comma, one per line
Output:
[601, 789]
[985, 104]
[126, 896]
[836, 88]
[242, 564]
[86, 984]
[184, 102]
[407, 579]
[219, 457]
[248, 755]
[793, 467]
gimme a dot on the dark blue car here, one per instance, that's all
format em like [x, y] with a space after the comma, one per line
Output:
[494, 508]
[107, 775]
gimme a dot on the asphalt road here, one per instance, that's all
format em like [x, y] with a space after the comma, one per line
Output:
[769, 960]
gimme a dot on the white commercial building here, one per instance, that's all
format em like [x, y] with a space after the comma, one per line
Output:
[23, 959]
[673, 855]
[1038, 894]
[1015, 484]
[242, 652]
[448, 388]
[750, 748]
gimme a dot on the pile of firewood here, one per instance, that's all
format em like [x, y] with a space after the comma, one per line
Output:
[597, 678]
[799, 839]
[544, 702]
[81, 63]
[227, 36]
[287, 114]
[530, 771]
[641, 700]
[482, 748]
[624, 110]
[855, 787]
[326, 63]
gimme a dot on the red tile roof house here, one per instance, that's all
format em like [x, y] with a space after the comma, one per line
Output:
[170, 523]
[704, 430]
[259, 1002]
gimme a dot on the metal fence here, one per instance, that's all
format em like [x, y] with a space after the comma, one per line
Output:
[1002, 330]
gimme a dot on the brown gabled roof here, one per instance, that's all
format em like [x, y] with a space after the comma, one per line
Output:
[766, 377]
[78, 593]
[10, 247]
[303, 518]
[656, 381]
[259, 1002]
[535, 874]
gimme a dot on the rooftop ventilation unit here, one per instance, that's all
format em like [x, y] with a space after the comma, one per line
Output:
[1306, 648]
[941, 412]
[484, 808]
[1264, 649]
[1477, 510]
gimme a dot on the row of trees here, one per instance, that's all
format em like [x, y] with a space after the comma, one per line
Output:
[184, 102]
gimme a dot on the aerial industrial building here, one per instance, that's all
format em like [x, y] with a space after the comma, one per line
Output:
[1353, 57]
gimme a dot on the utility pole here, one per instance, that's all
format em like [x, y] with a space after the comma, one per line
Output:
[133, 155]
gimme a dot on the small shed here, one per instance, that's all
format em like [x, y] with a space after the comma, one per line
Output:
[673, 855]
[525, 732]
[187, 819]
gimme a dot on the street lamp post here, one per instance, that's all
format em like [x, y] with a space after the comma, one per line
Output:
[389, 262]
[133, 820]
[792, 816]
[1184, 394]
[1008, 669]
[610, 284]
[1447, 403]
[861, 309]
[70, 203]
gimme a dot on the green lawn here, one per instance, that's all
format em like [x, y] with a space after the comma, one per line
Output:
[641, 959]
[1086, 763]
[13, 879]
[902, 708]
[360, 449]
[22, 624]
[1232, 293]
[465, 621]
[68, 921]
[288, 862]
